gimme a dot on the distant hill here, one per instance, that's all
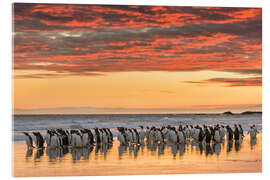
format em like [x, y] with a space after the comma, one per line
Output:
[244, 113]
[228, 112]
[252, 112]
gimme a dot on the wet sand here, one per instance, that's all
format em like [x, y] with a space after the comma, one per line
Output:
[120, 160]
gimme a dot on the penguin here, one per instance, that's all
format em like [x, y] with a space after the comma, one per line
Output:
[255, 128]
[63, 137]
[47, 138]
[72, 138]
[147, 131]
[35, 139]
[137, 137]
[171, 135]
[105, 136]
[111, 135]
[176, 134]
[181, 136]
[187, 132]
[212, 131]
[252, 132]
[101, 135]
[129, 135]
[201, 135]
[120, 137]
[159, 136]
[192, 131]
[39, 140]
[28, 140]
[78, 139]
[125, 135]
[142, 134]
[241, 131]
[152, 137]
[54, 140]
[184, 134]
[69, 137]
[85, 138]
[60, 139]
[165, 133]
[97, 136]
[162, 136]
[236, 133]
[229, 133]
[196, 133]
[222, 132]
[156, 133]
[217, 135]
[90, 136]
[208, 136]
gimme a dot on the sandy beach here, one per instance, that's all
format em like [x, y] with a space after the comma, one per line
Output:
[143, 160]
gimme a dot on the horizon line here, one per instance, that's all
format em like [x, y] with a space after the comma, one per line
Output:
[140, 113]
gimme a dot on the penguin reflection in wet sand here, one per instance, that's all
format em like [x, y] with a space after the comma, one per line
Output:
[28, 140]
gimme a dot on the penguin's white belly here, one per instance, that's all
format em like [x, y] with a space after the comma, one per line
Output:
[54, 142]
[166, 134]
[101, 137]
[142, 135]
[129, 137]
[159, 137]
[147, 134]
[47, 139]
[73, 140]
[222, 133]
[28, 142]
[173, 137]
[85, 139]
[181, 137]
[121, 138]
[134, 137]
[78, 141]
[217, 136]
[252, 134]
[151, 136]
[196, 134]
[105, 138]
[187, 133]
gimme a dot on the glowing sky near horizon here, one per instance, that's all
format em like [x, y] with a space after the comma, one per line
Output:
[136, 58]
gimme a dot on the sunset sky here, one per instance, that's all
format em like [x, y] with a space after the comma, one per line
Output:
[72, 59]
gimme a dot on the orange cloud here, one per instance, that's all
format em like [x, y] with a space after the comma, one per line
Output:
[88, 39]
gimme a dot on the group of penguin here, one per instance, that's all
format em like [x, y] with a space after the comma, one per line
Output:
[85, 137]
[73, 138]
[181, 134]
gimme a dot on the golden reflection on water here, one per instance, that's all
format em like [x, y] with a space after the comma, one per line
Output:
[145, 159]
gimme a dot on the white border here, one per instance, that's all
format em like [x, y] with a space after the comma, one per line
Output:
[6, 83]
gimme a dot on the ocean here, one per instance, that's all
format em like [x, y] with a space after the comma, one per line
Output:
[30, 123]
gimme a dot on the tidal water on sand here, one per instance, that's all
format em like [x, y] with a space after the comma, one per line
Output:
[116, 159]
[138, 160]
